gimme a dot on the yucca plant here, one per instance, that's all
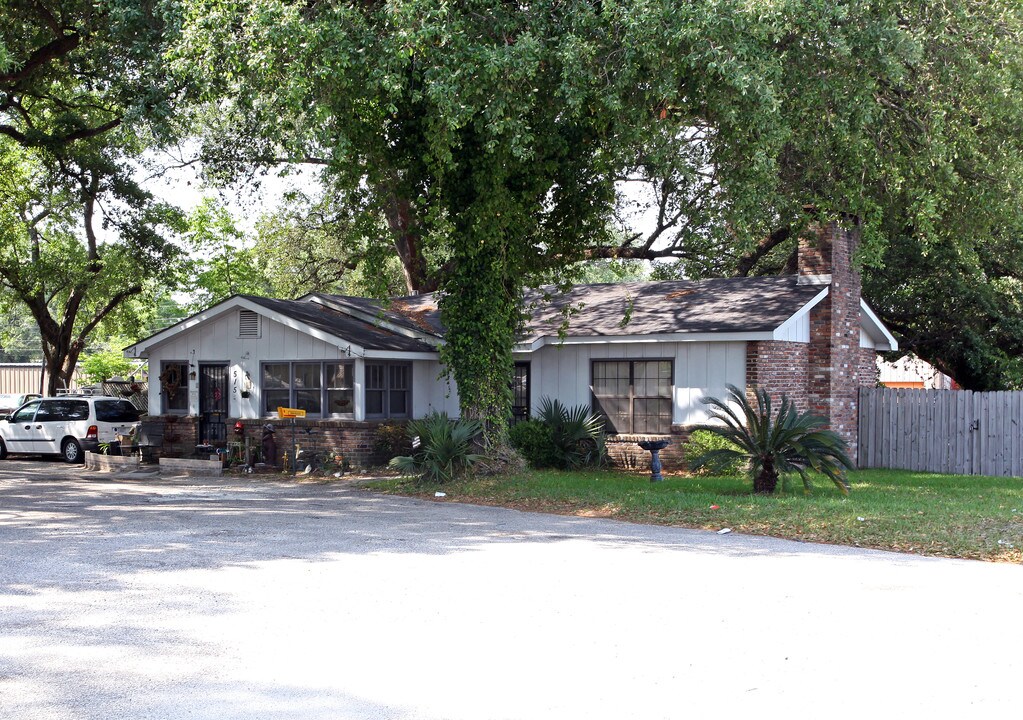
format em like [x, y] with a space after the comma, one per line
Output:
[775, 444]
[577, 434]
[442, 448]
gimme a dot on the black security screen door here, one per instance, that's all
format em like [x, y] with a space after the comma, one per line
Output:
[520, 393]
[212, 404]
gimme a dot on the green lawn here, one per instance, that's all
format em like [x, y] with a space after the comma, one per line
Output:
[945, 515]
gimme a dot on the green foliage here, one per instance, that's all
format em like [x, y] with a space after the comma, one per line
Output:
[57, 267]
[222, 265]
[906, 114]
[19, 334]
[325, 245]
[577, 434]
[972, 329]
[774, 444]
[444, 451]
[701, 442]
[99, 366]
[392, 439]
[533, 440]
[85, 94]
[610, 271]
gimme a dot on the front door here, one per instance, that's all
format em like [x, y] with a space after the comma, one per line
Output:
[212, 404]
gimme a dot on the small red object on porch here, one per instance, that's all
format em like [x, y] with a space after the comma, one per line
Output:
[239, 429]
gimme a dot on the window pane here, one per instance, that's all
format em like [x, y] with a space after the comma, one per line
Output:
[399, 377]
[273, 399]
[27, 413]
[652, 416]
[308, 400]
[339, 375]
[276, 389]
[398, 403]
[307, 376]
[307, 387]
[116, 411]
[374, 403]
[340, 402]
[374, 376]
[276, 376]
[611, 378]
[652, 379]
[616, 414]
[48, 410]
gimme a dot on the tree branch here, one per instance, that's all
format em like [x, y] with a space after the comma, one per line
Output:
[769, 243]
[52, 50]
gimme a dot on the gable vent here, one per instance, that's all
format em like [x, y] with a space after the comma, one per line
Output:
[248, 324]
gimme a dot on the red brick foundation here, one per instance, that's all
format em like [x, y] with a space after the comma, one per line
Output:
[176, 436]
[624, 451]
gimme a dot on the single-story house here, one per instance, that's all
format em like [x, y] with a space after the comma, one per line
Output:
[643, 354]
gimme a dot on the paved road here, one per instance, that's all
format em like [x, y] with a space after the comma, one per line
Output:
[227, 599]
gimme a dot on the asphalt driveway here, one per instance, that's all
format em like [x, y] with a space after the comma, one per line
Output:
[156, 598]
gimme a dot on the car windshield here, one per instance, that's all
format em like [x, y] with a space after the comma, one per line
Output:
[116, 411]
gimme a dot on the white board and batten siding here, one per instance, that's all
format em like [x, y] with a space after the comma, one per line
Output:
[700, 369]
[431, 391]
[219, 341]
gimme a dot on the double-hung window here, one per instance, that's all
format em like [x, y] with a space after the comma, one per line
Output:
[320, 388]
[633, 396]
[388, 390]
[174, 387]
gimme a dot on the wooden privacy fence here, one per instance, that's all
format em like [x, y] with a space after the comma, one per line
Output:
[942, 431]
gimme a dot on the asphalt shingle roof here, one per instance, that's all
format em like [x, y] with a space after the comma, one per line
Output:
[337, 323]
[723, 305]
[726, 305]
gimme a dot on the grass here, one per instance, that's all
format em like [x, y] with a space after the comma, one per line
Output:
[943, 515]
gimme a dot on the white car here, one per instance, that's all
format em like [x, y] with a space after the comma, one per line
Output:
[66, 425]
[9, 402]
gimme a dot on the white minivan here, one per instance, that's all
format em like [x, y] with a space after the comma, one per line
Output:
[66, 425]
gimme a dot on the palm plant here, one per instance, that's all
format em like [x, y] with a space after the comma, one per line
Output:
[774, 444]
[442, 447]
[577, 434]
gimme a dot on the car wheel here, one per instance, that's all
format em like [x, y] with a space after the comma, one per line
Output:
[72, 451]
[3, 450]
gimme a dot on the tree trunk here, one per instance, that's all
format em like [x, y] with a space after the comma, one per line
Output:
[60, 355]
[407, 245]
[766, 482]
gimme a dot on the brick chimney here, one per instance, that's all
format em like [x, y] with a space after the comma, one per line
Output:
[835, 364]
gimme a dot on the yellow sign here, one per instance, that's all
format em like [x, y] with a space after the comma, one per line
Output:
[283, 412]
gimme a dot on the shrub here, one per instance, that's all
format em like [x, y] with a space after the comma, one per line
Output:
[533, 440]
[577, 434]
[100, 366]
[775, 444]
[701, 442]
[392, 439]
[441, 448]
